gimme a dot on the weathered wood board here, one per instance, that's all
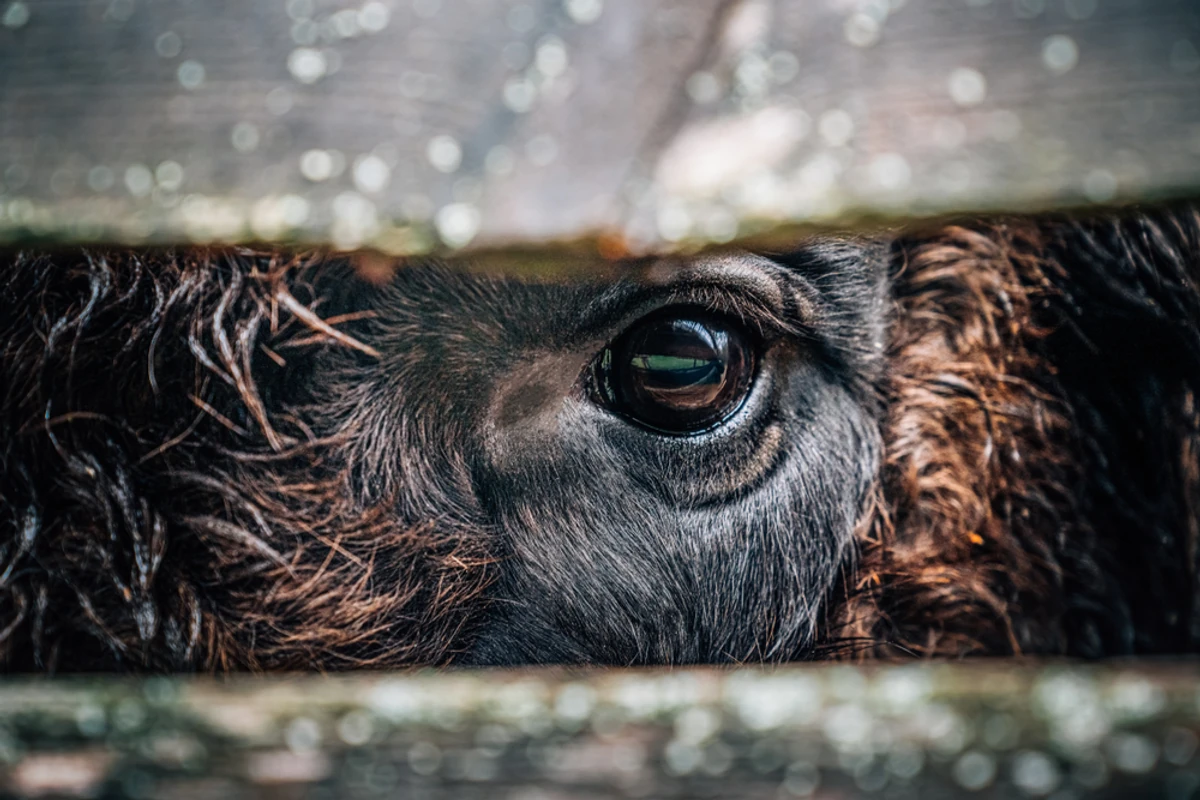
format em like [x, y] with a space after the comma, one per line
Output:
[991, 730]
[407, 125]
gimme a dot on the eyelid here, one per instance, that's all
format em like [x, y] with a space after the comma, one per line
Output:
[791, 312]
[755, 312]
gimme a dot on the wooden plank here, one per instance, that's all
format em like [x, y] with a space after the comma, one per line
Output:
[408, 124]
[1007, 730]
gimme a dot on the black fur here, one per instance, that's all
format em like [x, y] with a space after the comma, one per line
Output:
[1126, 349]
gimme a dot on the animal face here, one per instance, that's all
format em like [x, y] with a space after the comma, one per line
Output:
[934, 443]
[669, 467]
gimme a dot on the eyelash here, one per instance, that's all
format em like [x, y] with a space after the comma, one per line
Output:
[753, 313]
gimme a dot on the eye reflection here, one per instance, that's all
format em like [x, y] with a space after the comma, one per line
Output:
[678, 373]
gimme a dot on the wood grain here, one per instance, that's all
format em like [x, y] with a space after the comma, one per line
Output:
[408, 125]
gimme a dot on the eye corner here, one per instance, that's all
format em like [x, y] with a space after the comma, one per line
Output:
[598, 377]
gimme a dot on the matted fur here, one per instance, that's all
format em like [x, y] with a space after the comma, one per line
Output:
[172, 496]
[1039, 488]
[141, 532]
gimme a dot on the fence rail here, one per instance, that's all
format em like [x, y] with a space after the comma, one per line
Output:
[407, 125]
[1001, 729]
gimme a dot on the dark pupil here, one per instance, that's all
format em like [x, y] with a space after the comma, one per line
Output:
[680, 364]
[678, 375]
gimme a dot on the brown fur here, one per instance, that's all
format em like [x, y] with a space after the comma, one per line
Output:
[278, 513]
[954, 552]
[975, 542]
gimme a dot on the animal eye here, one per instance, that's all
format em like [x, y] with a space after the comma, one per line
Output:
[680, 373]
